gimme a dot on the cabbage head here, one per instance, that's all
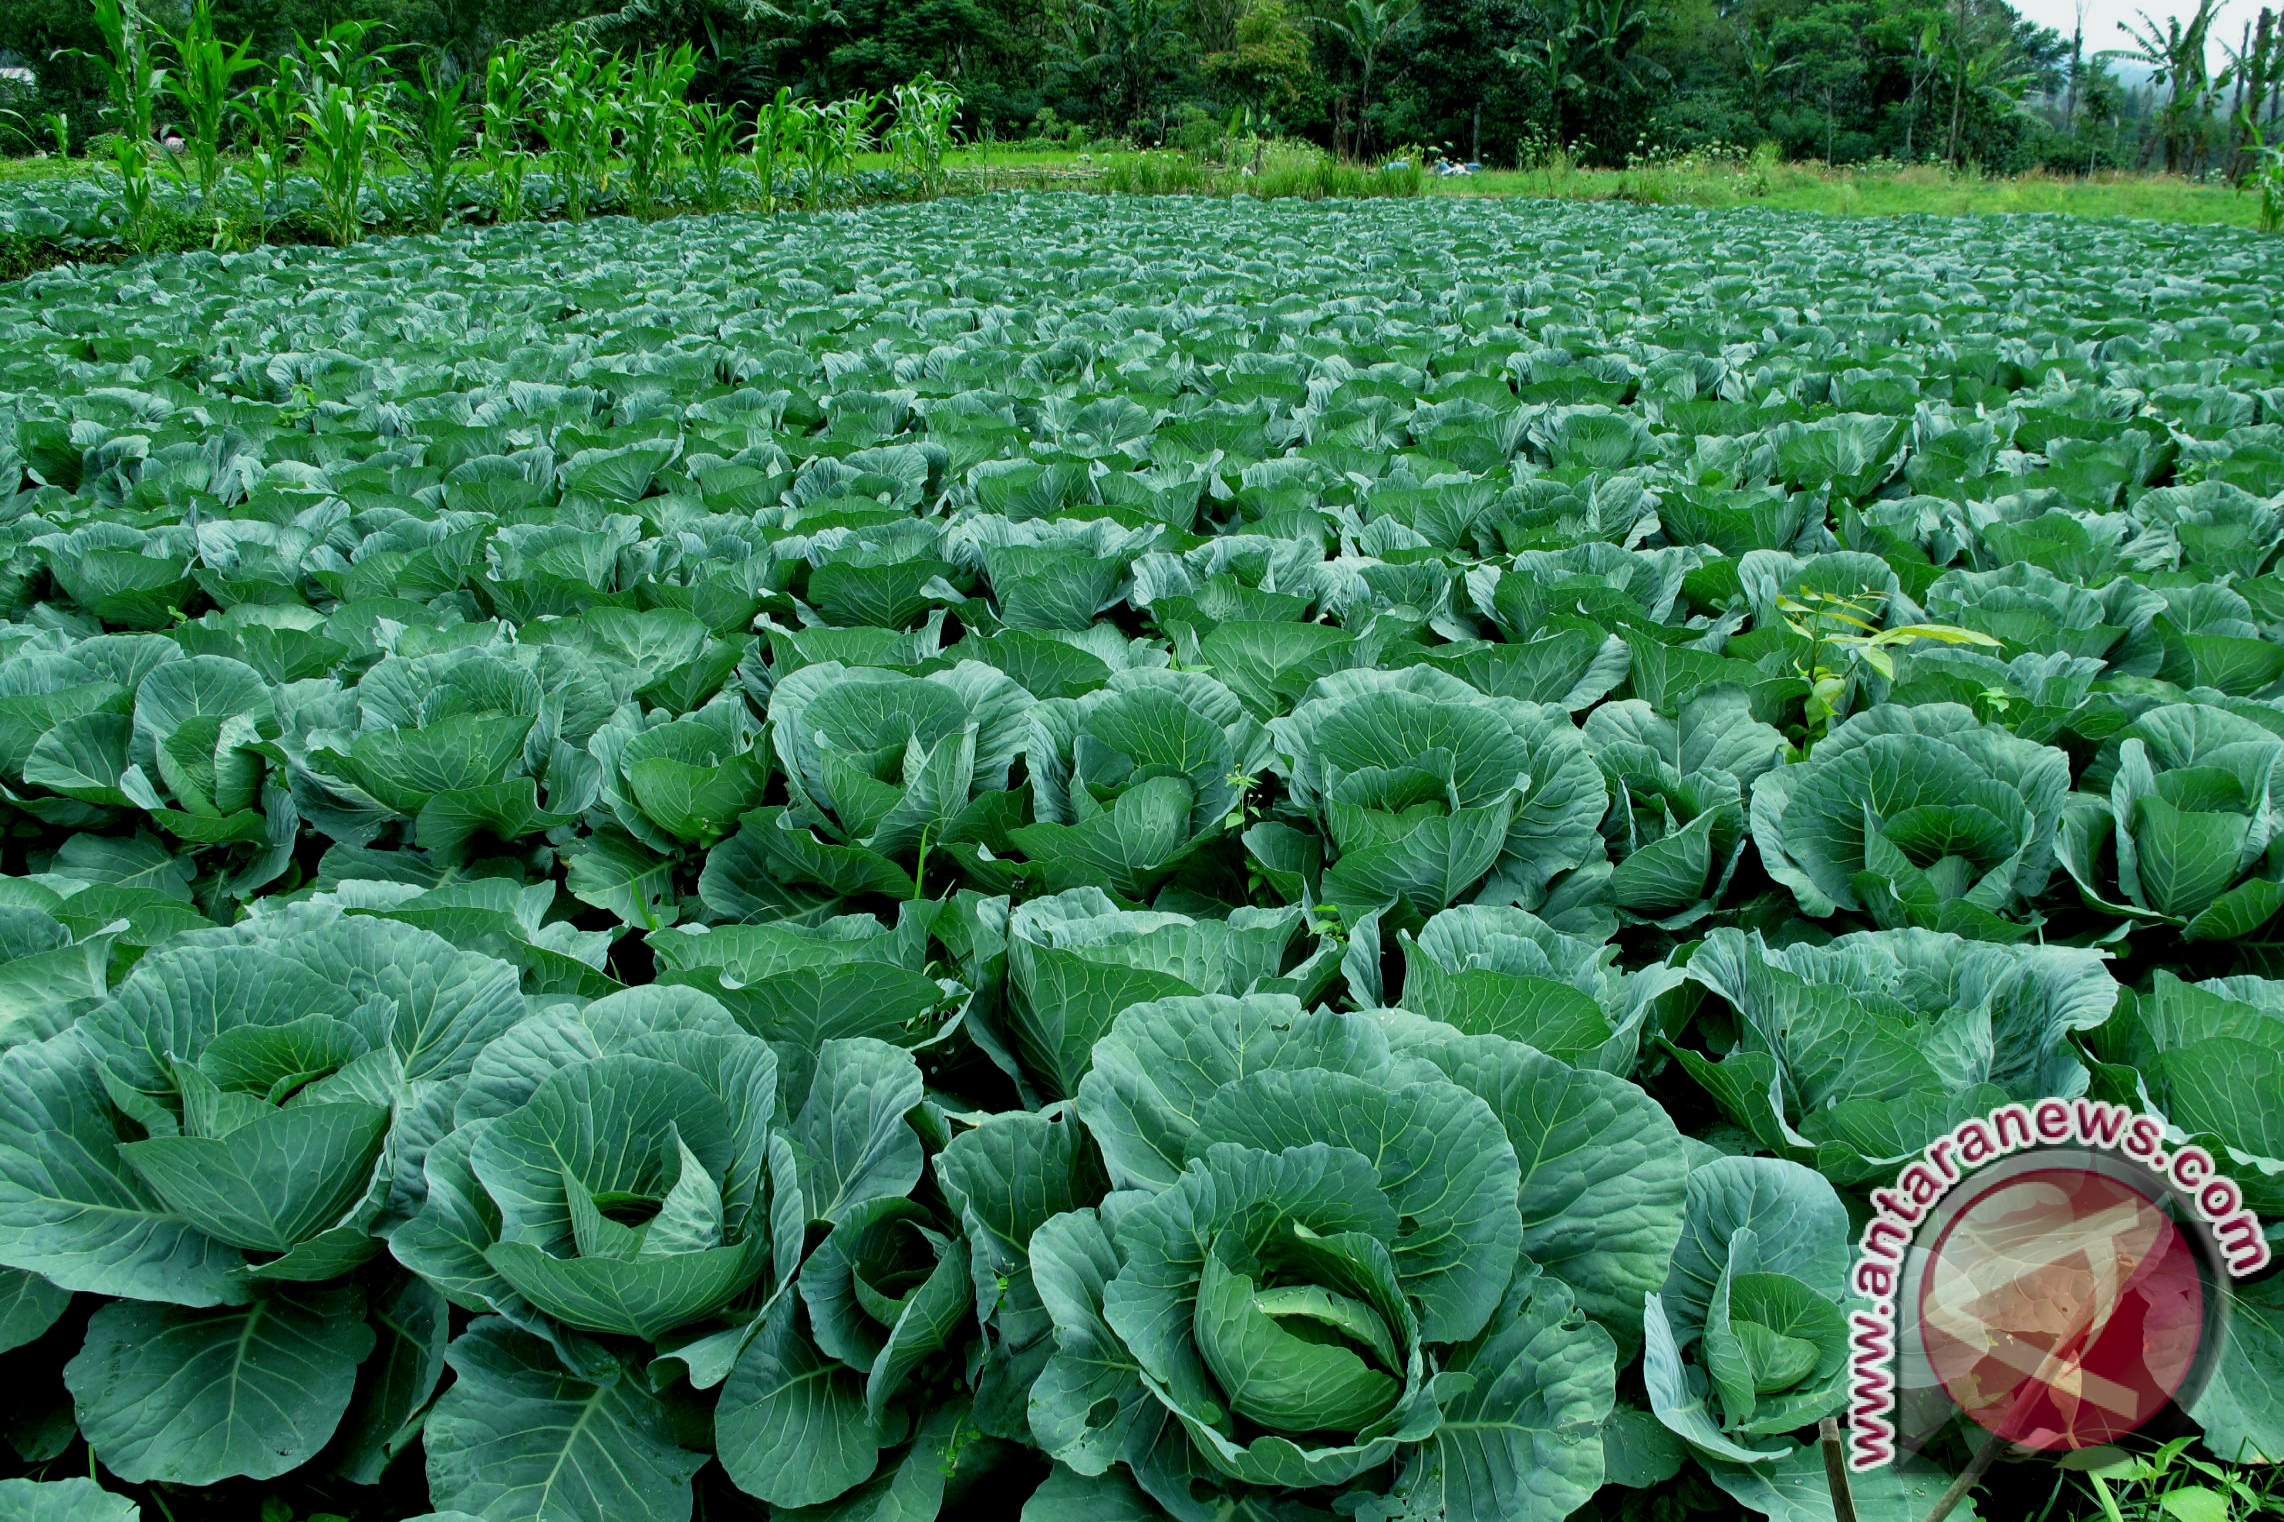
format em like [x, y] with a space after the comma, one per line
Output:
[1426, 792]
[2187, 831]
[1754, 1294]
[213, 1153]
[1920, 817]
[612, 1170]
[1316, 1220]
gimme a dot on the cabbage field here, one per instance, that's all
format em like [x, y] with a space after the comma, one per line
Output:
[1189, 859]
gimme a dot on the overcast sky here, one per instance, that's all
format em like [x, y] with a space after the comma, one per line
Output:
[2103, 16]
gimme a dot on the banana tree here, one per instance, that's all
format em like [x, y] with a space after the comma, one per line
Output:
[2174, 51]
[1371, 25]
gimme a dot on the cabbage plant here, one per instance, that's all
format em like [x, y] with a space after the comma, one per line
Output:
[1131, 781]
[2186, 832]
[2031, 609]
[1257, 1318]
[213, 1151]
[1425, 792]
[626, 1174]
[1854, 1055]
[611, 1170]
[1506, 972]
[1678, 789]
[879, 767]
[451, 746]
[1755, 1294]
[1920, 817]
[2202, 1055]
[1074, 960]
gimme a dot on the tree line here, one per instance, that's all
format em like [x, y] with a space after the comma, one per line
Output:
[1968, 82]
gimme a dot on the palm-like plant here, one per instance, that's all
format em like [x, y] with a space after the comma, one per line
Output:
[1992, 70]
[1125, 50]
[1546, 59]
[1763, 68]
[1582, 50]
[1610, 35]
[2174, 51]
[1368, 29]
[1926, 63]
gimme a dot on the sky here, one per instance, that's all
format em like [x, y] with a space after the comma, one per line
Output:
[2103, 16]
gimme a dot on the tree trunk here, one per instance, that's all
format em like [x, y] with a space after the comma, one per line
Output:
[2077, 52]
[1958, 103]
[1364, 110]
[1958, 79]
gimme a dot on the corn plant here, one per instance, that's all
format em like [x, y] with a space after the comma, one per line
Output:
[652, 118]
[434, 129]
[577, 115]
[839, 132]
[345, 135]
[203, 85]
[782, 129]
[270, 113]
[605, 114]
[560, 127]
[709, 137]
[340, 56]
[925, 126]
[507, 99]
[133, 81]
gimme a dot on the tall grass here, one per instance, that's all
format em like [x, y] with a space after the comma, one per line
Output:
[1275, 170]
[1728, 178]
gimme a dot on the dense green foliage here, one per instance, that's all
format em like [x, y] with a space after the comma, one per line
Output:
[1224, 858]
[331, 146]
[1964, 81]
